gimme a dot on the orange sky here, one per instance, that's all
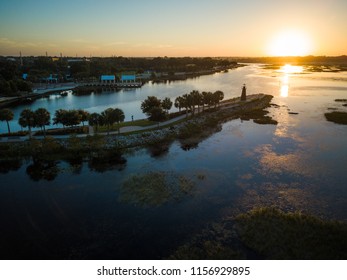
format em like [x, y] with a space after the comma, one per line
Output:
[173, 28]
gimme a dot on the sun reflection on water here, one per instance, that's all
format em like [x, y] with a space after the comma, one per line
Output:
[287, 70]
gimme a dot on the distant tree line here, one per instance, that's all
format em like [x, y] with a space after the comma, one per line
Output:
[70, 69]
[11, 81]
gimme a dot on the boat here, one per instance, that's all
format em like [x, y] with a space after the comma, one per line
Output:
[66, 92]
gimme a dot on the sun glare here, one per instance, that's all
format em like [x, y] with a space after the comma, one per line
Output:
[290, 43]
[287, 70]
[291, 69]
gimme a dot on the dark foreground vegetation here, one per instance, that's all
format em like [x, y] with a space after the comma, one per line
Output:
[267, 233]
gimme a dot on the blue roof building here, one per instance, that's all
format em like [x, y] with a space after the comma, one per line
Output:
[126, 78]
[107, 79]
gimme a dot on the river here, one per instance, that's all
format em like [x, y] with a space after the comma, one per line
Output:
[79, 211]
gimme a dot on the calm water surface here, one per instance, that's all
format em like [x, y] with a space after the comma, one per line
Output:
[79, 211]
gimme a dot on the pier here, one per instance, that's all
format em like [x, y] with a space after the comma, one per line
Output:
[115, 85]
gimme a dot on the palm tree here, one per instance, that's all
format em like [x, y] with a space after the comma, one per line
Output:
[84, 116]
[186, 102]
[108, 118]
[95, 119]
[118, 116]
[59, 117]
[42, 118]
[179, 103]
[166, 104]
[218, 96]
[6, 115]
[27, 119]
[196, 99]
[204, 99]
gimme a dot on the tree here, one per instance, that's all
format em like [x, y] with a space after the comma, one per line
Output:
[195, 100]
[157, 114]
[186, 102]
[84, 116]
[95, 119]
[6, 115]
[166, 104]
[59, 117]
[148, 104]
[27, 119]
[42, 118]
[204, 99]
[179, 103]
[218, 96]
[119, 116]
[71, 118]
[109, 118]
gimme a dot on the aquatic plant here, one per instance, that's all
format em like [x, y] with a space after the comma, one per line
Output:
[336, 117]
[278, 235]
[155, 188]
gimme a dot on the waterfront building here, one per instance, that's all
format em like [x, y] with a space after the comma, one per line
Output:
[128, 78]
[108, 79]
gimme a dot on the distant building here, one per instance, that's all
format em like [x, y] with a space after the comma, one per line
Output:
[53, 78]
[108, 79]
[128, 78]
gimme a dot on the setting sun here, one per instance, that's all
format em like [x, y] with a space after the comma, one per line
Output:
[290, 43]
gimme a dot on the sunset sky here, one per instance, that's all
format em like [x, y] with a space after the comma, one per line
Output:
[173, 28]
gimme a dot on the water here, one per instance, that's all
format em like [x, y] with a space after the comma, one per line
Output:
[75, 211]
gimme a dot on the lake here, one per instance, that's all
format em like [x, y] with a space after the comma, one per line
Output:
[78, 211]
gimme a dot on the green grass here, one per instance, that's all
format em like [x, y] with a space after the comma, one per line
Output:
[142, 123]
[336, 117]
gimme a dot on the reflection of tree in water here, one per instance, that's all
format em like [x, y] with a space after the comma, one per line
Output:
[43, 170]
[186, 146]
[158, 150]
[10, 165]
[106, 162]
[155, 188]
[76, 164]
